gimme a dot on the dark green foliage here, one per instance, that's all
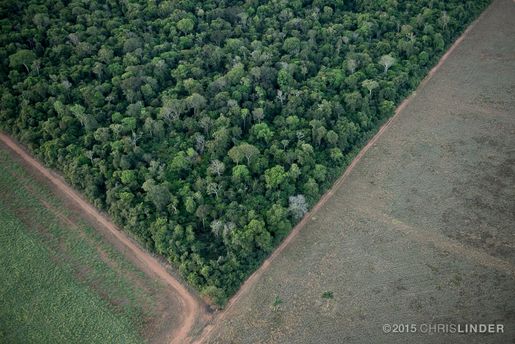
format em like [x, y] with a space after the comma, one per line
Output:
[207, 128]
[327, 295]
[277, 302]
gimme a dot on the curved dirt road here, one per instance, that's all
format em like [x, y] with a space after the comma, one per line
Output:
[190, 306]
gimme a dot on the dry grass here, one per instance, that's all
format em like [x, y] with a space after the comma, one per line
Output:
[421, 231]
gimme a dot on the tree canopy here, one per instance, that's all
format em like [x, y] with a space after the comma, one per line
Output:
[209, 128]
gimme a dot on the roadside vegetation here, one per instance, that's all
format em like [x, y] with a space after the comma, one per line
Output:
[61, 282]
[209, 128]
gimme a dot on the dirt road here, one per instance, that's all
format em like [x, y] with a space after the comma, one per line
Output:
[190, 307]
[251, 281]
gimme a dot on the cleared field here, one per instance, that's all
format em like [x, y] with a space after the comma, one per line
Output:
[61, 281]
[421, 232]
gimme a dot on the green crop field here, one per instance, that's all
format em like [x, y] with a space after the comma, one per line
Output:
[60, 281]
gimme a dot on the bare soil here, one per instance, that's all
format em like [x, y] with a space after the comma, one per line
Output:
[419, 229]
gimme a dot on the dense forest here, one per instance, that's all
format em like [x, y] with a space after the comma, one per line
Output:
[209, 128]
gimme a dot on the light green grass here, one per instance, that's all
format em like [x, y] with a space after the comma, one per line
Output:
[54, 285]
